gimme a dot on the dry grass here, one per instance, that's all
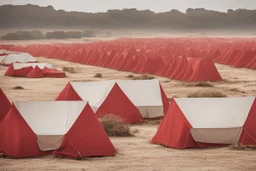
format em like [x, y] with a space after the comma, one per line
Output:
[237, 90]
[135, 131]
[115, 127]
[199, 84]
[243, 147]
[130, 76]
[144, 77]
[68, 69]
[18, 88]
[212, 93]
[155, 121]
[98, 75]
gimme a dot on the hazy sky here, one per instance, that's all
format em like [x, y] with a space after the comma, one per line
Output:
[154, 5]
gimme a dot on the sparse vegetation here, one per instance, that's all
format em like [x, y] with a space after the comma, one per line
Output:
[237, 90]
[199, 84]
[55, 35]
[243, 147]
[68, 69]
[18, 88]
[73, 34]
[114, 126]
[144, 77]
[135, 131]
[98, 75]
[212, 93]
[130, 76]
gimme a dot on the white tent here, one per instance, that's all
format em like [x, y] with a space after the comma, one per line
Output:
[20, 57]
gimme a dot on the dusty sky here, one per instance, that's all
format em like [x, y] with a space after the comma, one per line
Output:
[154, 5]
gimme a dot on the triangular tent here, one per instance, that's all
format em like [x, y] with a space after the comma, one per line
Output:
[36, 72]
[208, 122]
[117, 103]
[86, 138]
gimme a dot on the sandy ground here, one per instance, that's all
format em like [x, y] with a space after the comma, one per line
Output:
[135, 153]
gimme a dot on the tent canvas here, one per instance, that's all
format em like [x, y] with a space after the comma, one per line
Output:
[208, 120]
[52, 123]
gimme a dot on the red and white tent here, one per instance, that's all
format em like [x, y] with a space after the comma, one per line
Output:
[147, 95]
[69, 129]
[33, 70]
[18, 57]
[200, 122]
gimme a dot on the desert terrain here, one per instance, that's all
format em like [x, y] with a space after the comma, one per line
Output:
[135, 153]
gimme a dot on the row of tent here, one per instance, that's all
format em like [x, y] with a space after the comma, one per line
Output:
[71, 128]
[25, 65]
[122, 56]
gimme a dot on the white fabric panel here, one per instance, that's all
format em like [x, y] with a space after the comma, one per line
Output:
[2, 59]
[216, 135]
[50, 117]
[21, 57]
[216, 112]
[23, 65]
[142, 92]
[151, 112]
[93, 92]
[49, 142]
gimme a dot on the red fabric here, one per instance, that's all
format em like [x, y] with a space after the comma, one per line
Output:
[164, 99]
[117, 103]
[36, 73]
[203, 70]
[68, 93]
[17, 138]
[3, 54]
[248, 136]
[53, 73]
[86, 138]
[23, 72]
[174, 130]
[5, 105]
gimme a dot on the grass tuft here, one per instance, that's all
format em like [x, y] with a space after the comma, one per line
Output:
[115, 127]
[18, 88]
[212, 93]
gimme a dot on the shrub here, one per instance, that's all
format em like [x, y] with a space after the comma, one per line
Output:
[10, 36]
[114, 126]
[144, 77]
[74, 34]
[68, 69]
[55, 35]
[98, 75]
[207, 94]
[18, 88]
[37, 34]
[199, 84]
[88, 33]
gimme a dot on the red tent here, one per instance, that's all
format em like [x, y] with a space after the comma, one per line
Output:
[86, 138]
[36, 72]
[220, 121]
[23, 72]
[117, 103]
[5, 104]
[17, 139]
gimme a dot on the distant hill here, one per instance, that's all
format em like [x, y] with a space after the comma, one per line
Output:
[27, 16]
